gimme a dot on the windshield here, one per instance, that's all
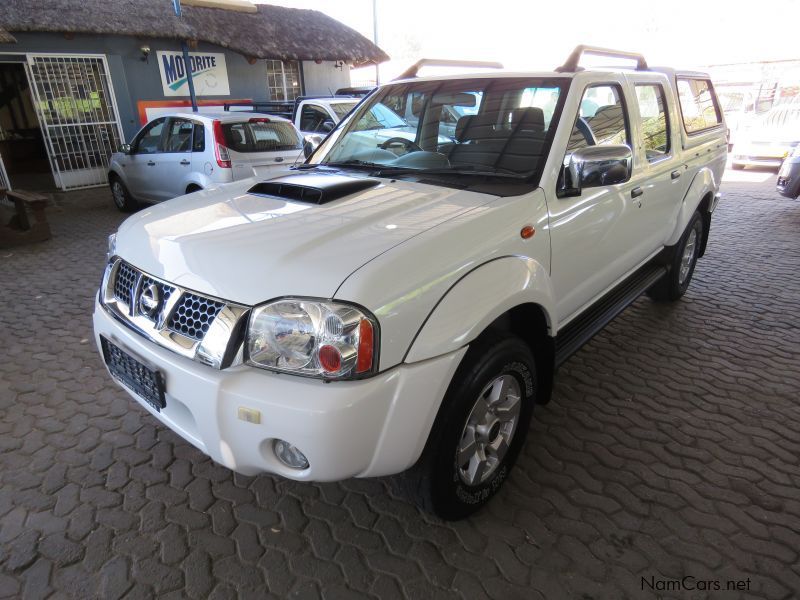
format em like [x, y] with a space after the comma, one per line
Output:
[342, 108]
[483, 126]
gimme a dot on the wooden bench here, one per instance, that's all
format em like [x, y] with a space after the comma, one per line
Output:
[19, 229]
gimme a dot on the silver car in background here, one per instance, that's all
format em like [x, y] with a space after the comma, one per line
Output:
[182, 153]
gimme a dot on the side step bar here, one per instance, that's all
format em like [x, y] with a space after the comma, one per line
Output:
[582, 329]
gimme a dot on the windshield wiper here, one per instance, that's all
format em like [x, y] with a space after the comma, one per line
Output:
[352, 163]
[389, 171]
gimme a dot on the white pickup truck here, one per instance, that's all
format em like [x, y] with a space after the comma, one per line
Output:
[402, 307]
[314, 116]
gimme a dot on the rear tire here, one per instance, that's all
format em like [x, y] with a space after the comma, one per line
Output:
[121, 196]
[681, 263]
[479, 430]
[191, 189]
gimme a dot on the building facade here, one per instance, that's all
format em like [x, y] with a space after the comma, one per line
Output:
[70, 98]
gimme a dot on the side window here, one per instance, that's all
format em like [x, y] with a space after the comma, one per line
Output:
[179, 136]
[654, 124]
[149, 139]
[199, 138]
[312, 117]
[602, 119]
[699, 105]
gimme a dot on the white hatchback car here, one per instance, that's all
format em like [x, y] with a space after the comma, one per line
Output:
[185, 152]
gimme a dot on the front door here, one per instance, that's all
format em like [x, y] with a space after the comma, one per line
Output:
[141, 165]
[595, 237]
[175, 162]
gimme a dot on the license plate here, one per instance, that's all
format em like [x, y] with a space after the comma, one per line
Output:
[145, 382]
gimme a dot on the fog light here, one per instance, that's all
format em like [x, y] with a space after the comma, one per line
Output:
[289, 455]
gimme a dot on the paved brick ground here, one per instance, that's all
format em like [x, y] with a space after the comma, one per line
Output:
[670, 449]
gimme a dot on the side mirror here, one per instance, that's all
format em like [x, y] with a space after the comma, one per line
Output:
[125, 148]
[327, 126]
[595, 166]
[309, 146]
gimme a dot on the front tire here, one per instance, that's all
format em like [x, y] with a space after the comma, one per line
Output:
[682, 261]
[121, 196]
[479, 431]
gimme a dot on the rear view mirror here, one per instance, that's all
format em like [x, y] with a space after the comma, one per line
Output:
[457, 99]
[595, 166]
[125, 148]
[309, 146]
[328, 126]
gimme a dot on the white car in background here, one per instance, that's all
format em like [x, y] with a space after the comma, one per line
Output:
[772, 138]
[182, 153]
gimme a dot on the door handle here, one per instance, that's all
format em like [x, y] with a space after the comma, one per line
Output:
[675, 174]
[185, 162]
[636, 192]
[150, 163]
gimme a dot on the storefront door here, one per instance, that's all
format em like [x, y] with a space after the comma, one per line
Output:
[74, 101]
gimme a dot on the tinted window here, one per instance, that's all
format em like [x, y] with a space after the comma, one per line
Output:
[179, 136]
[312, 117]
[654, 126]
[698, 104]
[149, 140]
[601, 119]
[261, 136]
[199, 143]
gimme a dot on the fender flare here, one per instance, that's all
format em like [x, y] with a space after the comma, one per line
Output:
[477, 299]
[704, 183]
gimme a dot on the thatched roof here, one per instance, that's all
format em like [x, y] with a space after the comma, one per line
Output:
[272, 32]
[5, 37]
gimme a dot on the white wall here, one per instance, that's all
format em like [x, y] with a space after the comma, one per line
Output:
[324, 78]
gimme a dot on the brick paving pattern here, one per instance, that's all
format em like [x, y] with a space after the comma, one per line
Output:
[670, 449]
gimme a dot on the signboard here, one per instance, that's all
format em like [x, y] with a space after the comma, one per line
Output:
[209, 72]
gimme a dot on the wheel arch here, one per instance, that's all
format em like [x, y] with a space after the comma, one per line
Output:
[508, 294]
[699, 196]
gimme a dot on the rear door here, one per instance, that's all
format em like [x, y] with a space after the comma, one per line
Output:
[141, 165]
[653, 113]
[260, 146]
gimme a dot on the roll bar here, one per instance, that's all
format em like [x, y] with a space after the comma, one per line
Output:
[571, 66]
[411, 72]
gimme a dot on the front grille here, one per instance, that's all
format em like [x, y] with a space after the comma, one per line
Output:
[179, 319]
[126, 277]
[193, 315]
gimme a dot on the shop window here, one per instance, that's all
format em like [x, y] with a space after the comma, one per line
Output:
[283, 79]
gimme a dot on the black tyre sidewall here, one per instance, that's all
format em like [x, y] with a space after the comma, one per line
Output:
[697, 224]
[450, 497]
[130, 204]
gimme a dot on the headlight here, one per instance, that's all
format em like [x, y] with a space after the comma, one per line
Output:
[316, 338]
[112, 245]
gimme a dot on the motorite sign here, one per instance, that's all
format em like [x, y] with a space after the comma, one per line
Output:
[209, 72]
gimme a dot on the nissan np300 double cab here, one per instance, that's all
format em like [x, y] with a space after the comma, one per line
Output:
[397, 305]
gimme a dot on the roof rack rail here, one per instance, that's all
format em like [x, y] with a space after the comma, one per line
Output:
[411, 72]
[571, 66]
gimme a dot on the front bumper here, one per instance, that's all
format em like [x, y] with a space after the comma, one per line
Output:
[372, 427]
